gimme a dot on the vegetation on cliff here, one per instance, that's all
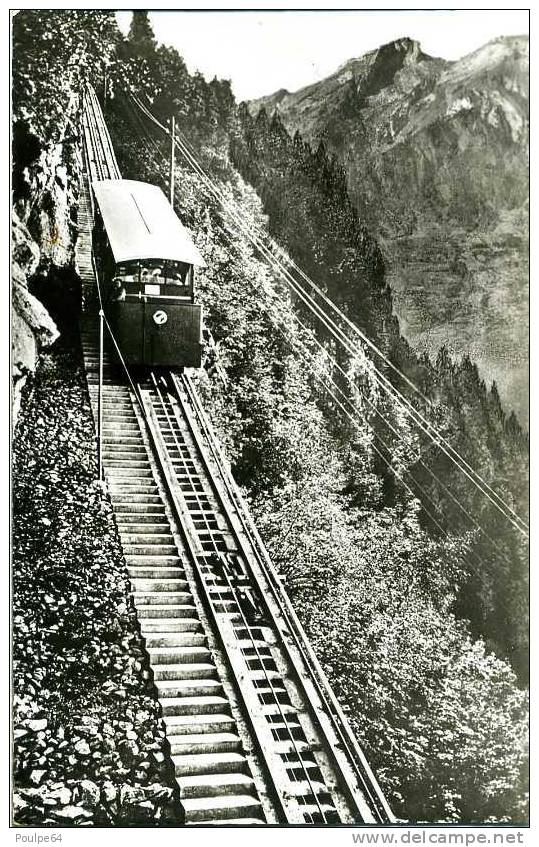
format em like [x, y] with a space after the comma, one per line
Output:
[89, 742]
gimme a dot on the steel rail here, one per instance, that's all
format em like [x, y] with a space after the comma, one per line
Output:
[333, 708]
[194, 554]
[195, 477]
[248, 628]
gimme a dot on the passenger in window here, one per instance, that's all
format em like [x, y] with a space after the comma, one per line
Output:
[118, 290]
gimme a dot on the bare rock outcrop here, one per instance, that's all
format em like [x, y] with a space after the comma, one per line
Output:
[44, 233]
[31, 325]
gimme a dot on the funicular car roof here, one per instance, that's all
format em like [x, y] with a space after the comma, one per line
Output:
[141, 223]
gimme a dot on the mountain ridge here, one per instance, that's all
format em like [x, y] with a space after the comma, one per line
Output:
[435, 153]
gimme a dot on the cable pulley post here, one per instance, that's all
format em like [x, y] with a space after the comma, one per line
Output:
[100, 398]
[172, 158]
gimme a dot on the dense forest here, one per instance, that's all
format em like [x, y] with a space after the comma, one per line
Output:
[411, 586]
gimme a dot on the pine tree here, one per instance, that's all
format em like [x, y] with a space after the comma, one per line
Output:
[141, 37]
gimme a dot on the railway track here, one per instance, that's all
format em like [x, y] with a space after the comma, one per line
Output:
[255, 733]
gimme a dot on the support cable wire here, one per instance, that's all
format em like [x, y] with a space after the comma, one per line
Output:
[386, 385]
[356, 411]
[384, 418]
[420, 421]
[390, 426]
[435, 435]
[308, 356]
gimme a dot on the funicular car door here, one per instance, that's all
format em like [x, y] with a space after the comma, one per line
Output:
[127, 320]
[172, 333]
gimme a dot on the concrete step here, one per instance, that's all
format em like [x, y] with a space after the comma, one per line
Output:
[117, 472]
[163, 598]
[149, 549]
[152, 558]
[177, 655]
[128, 441]
[126, 453]
[128, 487]
[185, 724]
[209, 742]
[208, 763]
[196, 706]
[215, 785]
[187, 610]
[155, 563]
[148, 534]
[120, 464]
[136, 572]
[225, 807]
[141, 528]
[229, 822]
[119, 430]
[112, 456]
[129, 512]
[189, 687]
[169, 625]
[129, 502]
[185, 670]
[188, 638]
[159, 586]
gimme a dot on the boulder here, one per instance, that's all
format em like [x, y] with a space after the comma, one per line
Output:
[89, 793]
[130, 796]
[73, 813]
[36, 776]
[37, 725]
[62, 795]
[82, 748]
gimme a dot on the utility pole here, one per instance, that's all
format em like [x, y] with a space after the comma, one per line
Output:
[100, 400]
[172, 152]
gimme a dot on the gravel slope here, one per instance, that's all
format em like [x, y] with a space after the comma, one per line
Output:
[89, 746]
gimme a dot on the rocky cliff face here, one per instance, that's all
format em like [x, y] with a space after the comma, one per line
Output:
[437, 159]
[43, 240]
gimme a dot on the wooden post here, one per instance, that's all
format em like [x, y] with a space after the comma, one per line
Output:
[100, 400]
[172, 153]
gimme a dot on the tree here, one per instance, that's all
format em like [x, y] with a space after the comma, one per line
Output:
[141, 38]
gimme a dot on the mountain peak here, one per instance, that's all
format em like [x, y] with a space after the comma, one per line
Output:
[376, 70]
[403, 48]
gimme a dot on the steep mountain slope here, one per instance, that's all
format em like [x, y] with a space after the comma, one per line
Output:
[436, 157]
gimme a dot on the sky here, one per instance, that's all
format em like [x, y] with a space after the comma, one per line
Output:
[261, 52]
